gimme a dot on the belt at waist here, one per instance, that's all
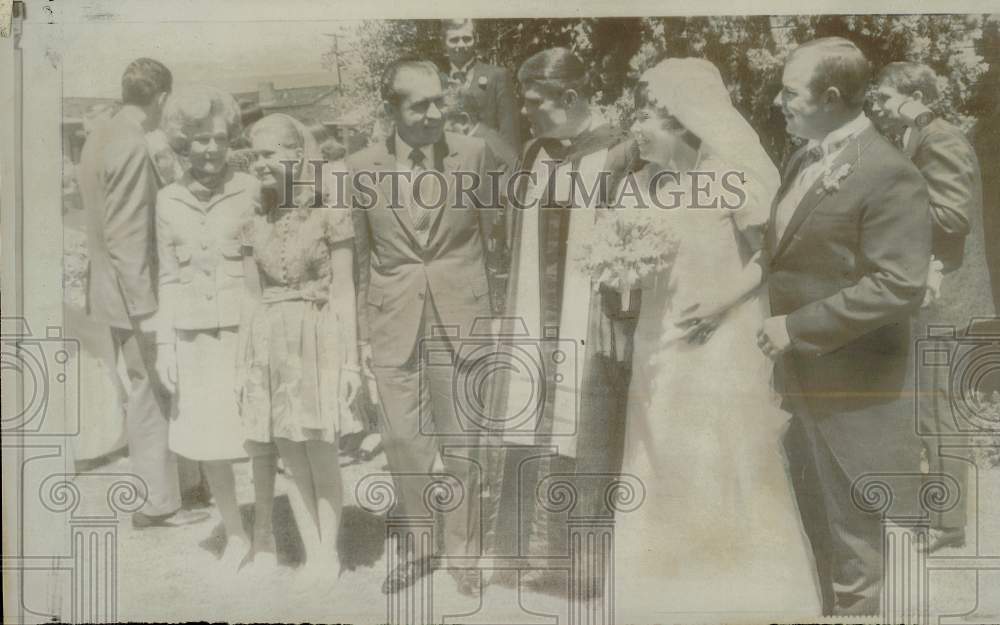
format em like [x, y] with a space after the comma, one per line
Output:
[274, 294]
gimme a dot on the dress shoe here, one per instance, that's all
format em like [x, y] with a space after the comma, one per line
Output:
[141, 520]
[941, 538]
[235, 553]
[405, 575]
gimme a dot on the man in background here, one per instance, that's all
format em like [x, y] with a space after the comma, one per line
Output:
[118, 185]
[948, 163]
[492, 87]
[463, 118]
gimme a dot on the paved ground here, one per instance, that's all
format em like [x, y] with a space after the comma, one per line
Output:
[172, 574]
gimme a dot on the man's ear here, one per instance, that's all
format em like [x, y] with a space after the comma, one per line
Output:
[389, 108]
[570, 97]
[161, 99]
[832, 96]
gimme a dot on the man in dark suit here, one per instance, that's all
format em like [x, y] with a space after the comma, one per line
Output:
[848, 253]
[986, 139]
[422, 284]
[118, 185]
[949, 166]
[464, 118]
[491, 86]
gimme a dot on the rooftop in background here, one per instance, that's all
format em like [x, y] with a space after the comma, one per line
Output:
[310, 98]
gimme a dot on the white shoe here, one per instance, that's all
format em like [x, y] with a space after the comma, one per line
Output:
[234, 554]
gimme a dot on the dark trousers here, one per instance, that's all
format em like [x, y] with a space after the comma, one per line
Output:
[146, 420]
[850, 554]
[422, 423]
[939, 431]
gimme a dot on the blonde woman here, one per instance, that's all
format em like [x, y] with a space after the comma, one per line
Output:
[300, 358]
[199, 220]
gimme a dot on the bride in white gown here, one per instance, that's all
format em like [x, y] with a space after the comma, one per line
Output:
[719, 531]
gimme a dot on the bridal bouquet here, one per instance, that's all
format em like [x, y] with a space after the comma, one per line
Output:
[625, 247]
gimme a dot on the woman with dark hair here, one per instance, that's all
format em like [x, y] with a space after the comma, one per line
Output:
[718, 530]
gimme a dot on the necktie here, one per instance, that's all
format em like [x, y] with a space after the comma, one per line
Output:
[812, 155]
[555, 149]
[420, 216]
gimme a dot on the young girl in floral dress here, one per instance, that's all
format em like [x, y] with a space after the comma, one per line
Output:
[300, 370]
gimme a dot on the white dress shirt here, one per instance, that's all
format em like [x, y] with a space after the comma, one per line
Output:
[429, 194]
[831, 145]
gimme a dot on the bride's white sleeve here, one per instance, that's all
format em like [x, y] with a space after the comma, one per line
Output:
[756, 208]
[752, 217]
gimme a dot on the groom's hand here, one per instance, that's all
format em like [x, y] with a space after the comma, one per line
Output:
[772, 338]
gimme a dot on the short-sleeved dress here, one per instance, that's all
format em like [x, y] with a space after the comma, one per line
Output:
[295, 340]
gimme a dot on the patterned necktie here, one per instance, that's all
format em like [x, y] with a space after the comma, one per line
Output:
[420, 216]
[812, 155]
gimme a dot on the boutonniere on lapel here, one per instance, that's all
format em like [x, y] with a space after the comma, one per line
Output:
[833, 178]
[482, 82]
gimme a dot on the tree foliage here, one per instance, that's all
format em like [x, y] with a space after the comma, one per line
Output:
[748, 50]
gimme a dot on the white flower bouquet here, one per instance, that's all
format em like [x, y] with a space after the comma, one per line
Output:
[627, 245]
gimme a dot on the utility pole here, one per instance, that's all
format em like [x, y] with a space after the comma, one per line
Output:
[336, 59]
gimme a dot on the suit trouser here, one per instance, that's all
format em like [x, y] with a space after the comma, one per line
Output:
[937, 427]
[421, 423]
[854, 563]
[146, 422]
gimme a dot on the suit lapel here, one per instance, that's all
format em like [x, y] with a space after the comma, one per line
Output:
[790, 173]
[383, 163]
[850, 155]
[446, 161]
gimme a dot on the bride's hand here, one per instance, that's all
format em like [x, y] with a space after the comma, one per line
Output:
[697, 330]
[700, 310]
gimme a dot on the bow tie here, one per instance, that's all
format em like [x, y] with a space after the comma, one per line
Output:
[459, 76]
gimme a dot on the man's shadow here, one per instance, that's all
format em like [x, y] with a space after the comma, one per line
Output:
[361, 542]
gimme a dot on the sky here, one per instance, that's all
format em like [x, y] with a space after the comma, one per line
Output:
[235, 60]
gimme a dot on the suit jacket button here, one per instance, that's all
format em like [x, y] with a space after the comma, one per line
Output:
[420, 295]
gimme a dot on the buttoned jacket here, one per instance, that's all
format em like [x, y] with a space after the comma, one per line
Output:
[200, 252]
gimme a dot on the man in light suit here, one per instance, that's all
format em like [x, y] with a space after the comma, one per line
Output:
[848, 253]
[948, 163]
[118, 185]
[422, 284]
[490, 85]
